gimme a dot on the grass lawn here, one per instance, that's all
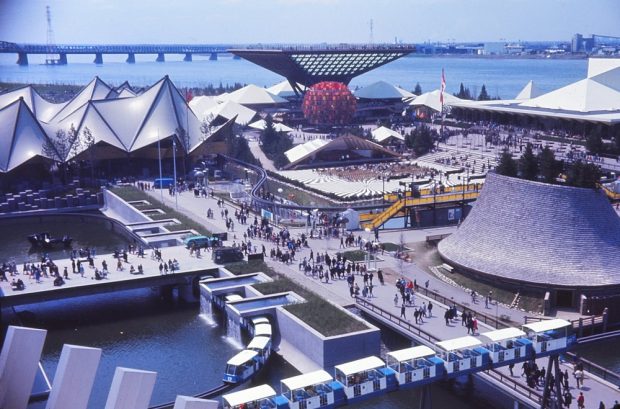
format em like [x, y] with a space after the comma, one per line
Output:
[316, 312]
[131, 193]
[356, 255]
[392, 246]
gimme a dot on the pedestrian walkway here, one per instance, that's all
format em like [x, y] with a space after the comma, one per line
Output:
[383, 295]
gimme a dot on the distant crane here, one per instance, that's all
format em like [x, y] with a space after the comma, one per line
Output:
[50, 58]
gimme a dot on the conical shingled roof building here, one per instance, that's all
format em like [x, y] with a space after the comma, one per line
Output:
[522, 233]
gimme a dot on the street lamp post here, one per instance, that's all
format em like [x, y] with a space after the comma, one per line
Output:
[174, 165]
[161, 178]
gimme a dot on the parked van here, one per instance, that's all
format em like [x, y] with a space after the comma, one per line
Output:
[223, 255]
[161, 183]
[200, 241]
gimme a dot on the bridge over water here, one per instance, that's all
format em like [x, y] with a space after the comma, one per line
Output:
[61, 51]
[98, 50]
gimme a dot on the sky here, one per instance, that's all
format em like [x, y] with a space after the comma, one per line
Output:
[305, 21]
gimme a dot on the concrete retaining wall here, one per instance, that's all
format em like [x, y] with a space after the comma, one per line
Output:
[327, 352]
[121, 210]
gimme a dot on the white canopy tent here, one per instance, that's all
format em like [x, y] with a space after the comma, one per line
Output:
[382, 90]
[254, 95]
[529, 91]
[284, 89]
[383, 134]
[261, 124]
[432, 100]
[299, 151]
[229, 110]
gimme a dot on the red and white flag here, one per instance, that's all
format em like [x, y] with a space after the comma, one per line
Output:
[443, 87]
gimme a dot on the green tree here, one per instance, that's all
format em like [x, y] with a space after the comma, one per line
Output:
[484, 96]
[528, 164]
[421, 140]
[418, 89]
[548, 165]
[238, 148]
[585, 175]
[88, 140]
[463, 93]
[274, 143]
[507, 166]
[60, 146]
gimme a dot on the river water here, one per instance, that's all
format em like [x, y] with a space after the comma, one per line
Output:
[502, 77]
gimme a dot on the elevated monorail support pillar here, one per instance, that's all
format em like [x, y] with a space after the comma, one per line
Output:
[553, 371]
[98, 58]
[160, 57]
[63, 59]
[213, 57]
[22, 59]
[426, 399]
[131, 58]
[188, 57]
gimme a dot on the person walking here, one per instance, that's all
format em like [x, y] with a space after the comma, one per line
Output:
[581, 401]
[402, 311]
[430, 309]
[446, 316]
[396, 300]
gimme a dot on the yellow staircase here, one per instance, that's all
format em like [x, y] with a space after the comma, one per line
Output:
[400, 204]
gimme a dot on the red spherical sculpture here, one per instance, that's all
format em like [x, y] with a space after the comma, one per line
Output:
[329, 103]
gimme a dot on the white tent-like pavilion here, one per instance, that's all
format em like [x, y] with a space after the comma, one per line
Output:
[595, 98]
[529, 91]
[261, 124]
[127, 123]
[202, 103]
[383, 135]
[21, 136]
[382, 90]
[284, 89]
[229, 110]
[432, 100]
[299, 151]
[253, 96]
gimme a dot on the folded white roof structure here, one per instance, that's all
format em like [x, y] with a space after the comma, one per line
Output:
[382, 90]
[117, 117]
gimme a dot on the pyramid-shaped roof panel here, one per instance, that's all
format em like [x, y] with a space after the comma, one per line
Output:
[529, 91]
[382, 90]
[253, 95]
[22, 137]
[586, 95]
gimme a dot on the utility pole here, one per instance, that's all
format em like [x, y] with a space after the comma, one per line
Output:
[50, 58]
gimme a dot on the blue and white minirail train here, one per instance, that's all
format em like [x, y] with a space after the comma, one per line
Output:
[246, 363]
[407, 368]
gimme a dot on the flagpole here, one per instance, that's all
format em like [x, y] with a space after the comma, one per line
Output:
[161, 178]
